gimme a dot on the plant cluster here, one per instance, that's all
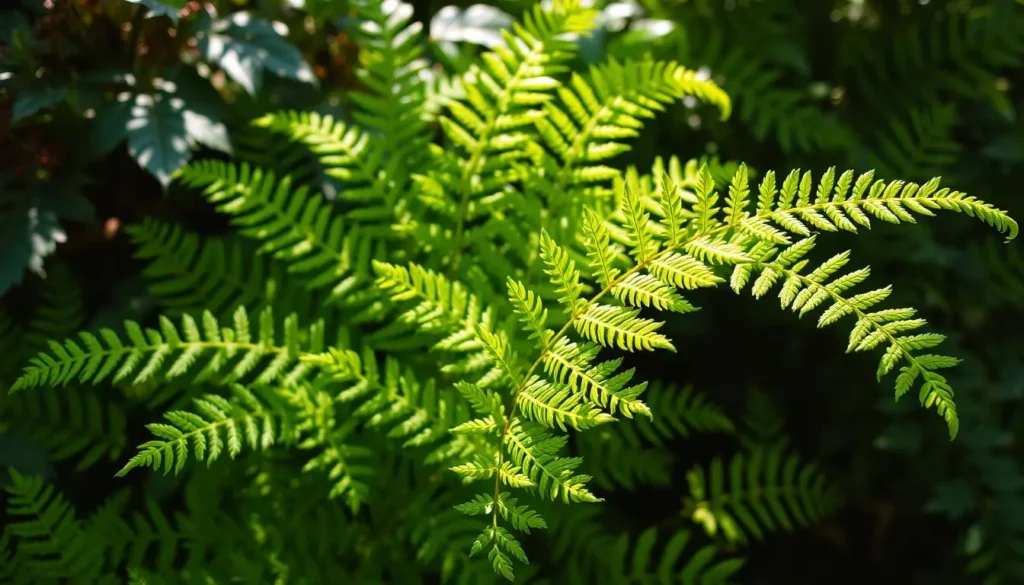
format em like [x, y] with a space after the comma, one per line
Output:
[431, 373]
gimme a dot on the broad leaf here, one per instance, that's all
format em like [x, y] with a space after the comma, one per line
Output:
[244, 47]
[41, 94]
[168, 8]
[27, 237]
[157, 137]
[110, 126]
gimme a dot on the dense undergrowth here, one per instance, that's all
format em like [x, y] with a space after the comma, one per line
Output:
[334, 292]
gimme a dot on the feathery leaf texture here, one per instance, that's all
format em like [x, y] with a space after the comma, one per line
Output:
[292, 225]
[218, 423]
[228, 353]
[754, 239]
[51, 541]
[190, 275]
[761, 491]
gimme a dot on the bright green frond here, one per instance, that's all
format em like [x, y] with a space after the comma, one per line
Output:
[216, 425]
[242, 351]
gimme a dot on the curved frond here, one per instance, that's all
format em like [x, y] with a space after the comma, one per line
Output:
[218, 424]
[229, 353]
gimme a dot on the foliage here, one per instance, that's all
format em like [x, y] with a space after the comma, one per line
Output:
[429, 347]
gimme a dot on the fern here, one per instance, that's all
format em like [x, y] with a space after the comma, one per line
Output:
[50, 540]
[189, 275]
[710, 237]
[762, 491]
[295, 227]
[229, 353]
[83, 426]
[219, 424]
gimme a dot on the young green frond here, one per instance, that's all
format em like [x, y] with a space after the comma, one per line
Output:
[536, 452]
[599, 253]
[764, 491]
[217, 423]
[803, 293]
[562, 270]
[391, 65]
[227, 353]
[614, 326]
[442, 308]
[556, 405]
[571, 363]
[530, 310]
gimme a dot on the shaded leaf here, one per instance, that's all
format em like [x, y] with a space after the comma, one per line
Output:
[41, 94]
[157, 137]
[244, 47]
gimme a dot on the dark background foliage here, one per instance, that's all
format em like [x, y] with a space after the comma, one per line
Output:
[913, 89]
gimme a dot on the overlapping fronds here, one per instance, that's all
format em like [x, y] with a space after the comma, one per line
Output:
[49, 539]
[686, 247]
[173, 542]
[392, 400]
[585, 126]
[445, 310]
[83, 425]
[917, 146]
[349, 154]
[297, 227]
[189, 275]
[202, 348]
[633, 452]
[489, 129]
[762, 491]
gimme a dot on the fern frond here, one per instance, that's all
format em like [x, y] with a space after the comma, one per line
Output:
[593, 114]
[535, 451]
[442, 309]
[804, 293]
[69, 424]
[488, 127]
[189, 275]
[60, 310]
[231, 353]
[676, 411]
[391, 66]
[417, 414]
[294, 226]
[635, 562]
[50, 540]
[765, 490]
[242, 420]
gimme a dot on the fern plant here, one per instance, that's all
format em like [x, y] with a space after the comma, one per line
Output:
[462, 309]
